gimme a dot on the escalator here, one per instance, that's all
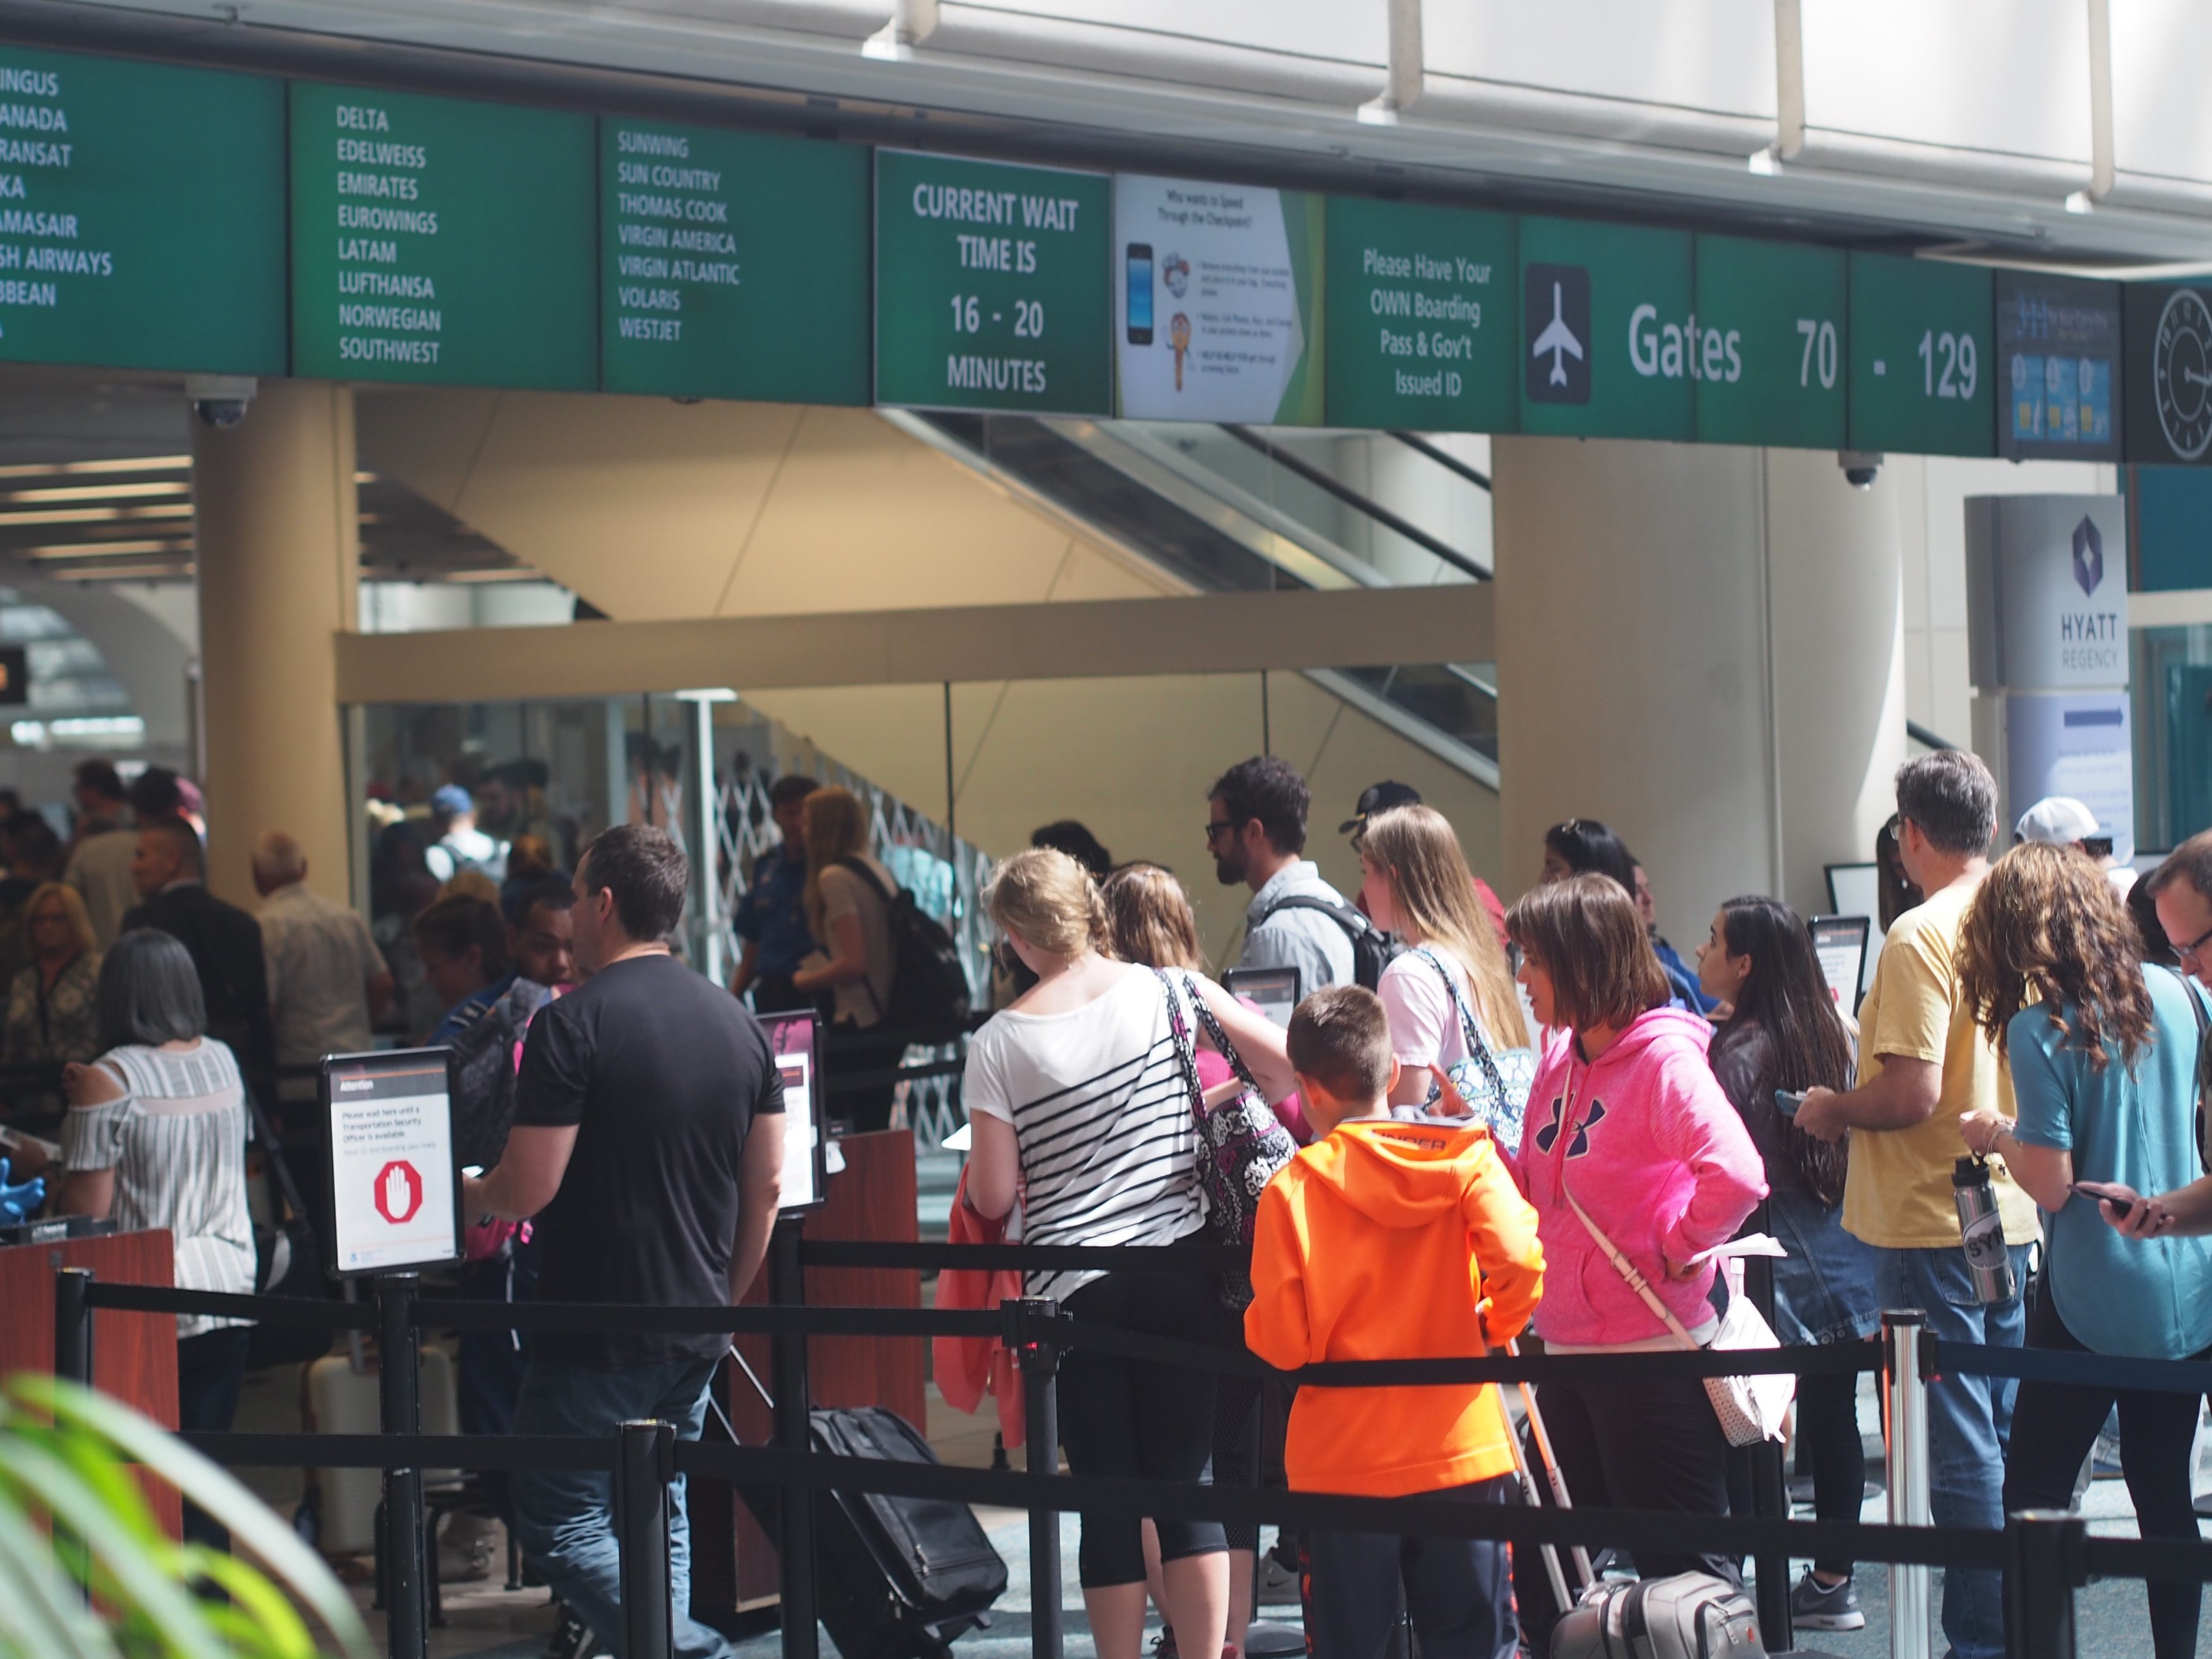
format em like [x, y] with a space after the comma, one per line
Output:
[1234, 509]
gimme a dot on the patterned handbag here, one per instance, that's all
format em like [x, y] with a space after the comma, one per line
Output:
[1495, 1086]
[1242, 1143]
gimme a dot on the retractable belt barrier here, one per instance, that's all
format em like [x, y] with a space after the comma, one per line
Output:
[2043, 1557]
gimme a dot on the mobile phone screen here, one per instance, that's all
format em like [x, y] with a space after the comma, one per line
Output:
[1787, 1102]
[1140, 293]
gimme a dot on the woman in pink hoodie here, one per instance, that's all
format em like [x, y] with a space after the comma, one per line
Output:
[1625, 1118]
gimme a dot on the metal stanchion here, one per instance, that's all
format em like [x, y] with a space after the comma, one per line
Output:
[645, 1463]
[2042, 1568]
[1770, 1480]
[406, 1558]
[786, 1288]
[1032, 1343]
[73, 1324]
[1908, 1388]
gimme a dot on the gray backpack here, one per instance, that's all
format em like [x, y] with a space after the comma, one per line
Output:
[1692, 1615]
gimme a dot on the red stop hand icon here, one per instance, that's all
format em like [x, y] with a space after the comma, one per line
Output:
[398, 1192]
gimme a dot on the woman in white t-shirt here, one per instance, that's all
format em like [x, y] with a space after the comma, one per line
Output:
[1080, 1109]
[847, 896]
[1415, 883]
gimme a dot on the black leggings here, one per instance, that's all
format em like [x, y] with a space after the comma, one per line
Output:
[2053, 1426]
[1828, 1428]
[1133, 1418]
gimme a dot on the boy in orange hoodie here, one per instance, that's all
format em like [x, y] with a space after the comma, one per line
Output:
[1391, 1241]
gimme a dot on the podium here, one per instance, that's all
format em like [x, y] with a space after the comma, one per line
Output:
[734, 1566]
[134, 1355]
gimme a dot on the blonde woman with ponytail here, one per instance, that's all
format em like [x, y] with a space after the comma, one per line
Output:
[1077, 1101]
[1415, 883]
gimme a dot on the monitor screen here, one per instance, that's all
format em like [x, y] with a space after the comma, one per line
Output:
[1275, 991]
[395, 1181]
[795, 1044]
[1840, 942]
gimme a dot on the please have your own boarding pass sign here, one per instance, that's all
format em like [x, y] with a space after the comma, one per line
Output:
[395, 1178]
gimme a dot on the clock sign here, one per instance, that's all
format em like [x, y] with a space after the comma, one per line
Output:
[2181, 373]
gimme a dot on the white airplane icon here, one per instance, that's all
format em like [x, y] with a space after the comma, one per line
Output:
[1557, 339]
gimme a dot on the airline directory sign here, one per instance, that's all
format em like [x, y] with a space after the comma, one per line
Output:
[1610, 343]
[1420, 318]
[1770, 324]
[440, 240]
[991, 286]
[2058, 367]
[2168, 373]
[395, 1174]
[141, 215]
[1217, 302]
[1922, 354]
[732, 264]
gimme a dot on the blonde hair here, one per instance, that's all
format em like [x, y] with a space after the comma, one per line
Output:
[1048, 899]
[279, 857]
[1149, 919]
[471, 884]
[72, 906]
[834, 826]
[1433, 892]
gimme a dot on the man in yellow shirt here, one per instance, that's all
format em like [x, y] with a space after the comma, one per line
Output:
[1923, 1065]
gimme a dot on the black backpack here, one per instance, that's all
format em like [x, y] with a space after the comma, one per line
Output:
[1372, 950]
[929, 987]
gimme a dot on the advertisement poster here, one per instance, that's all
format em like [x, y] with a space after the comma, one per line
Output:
[1216, 302]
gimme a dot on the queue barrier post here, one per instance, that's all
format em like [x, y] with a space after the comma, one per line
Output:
[73, 1324]
[1769, 1480]
[786, 1288]
[1905, 1381]
[406, 1562]
[645, 1465]
[2043, 1566]
[1029, 1334]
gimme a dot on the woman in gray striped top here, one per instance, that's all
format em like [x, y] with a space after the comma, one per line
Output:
[155, 1137]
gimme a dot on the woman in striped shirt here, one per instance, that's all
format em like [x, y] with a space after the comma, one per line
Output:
[1079, 1107]
[155, 1137]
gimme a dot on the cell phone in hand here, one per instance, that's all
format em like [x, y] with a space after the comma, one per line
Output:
[2105, 1193]
[1787, 1101]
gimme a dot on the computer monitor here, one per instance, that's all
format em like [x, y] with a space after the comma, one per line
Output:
[1273, 991]
[794, 1041]
[394, 1166]
[1840, 942]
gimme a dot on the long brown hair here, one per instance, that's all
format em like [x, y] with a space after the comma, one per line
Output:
[836, 827]
[1585, 933]
[1149, 919]
[2046, 927]
[1433, 892]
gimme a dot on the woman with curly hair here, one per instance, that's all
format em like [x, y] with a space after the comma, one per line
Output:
[2103, 1052]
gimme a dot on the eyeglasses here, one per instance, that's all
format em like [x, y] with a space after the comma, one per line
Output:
[1895, 830]
[2194, 945]
[1218, 827]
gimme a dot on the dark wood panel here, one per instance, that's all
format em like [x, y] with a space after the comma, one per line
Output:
[134, 1355]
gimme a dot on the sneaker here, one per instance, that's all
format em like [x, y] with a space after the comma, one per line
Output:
[1815, 1605]
[572, 1637]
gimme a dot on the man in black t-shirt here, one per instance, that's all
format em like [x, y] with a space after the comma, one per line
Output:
[649, 1144]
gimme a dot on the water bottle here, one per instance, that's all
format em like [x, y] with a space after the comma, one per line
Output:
[1981, 1230]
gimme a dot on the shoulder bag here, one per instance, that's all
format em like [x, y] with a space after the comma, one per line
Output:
[1495, 1086]
[1750, 1408]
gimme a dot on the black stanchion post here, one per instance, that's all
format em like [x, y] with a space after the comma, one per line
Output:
[786, 1288]
[1039, 1353]
[406, 1561]
[1770, 1479]
[2043, 1566]
[645, 1464]
[73, 1324]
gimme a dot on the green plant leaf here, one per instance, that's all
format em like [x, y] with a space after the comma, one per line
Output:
[271, 1624]
[94, 1463]
[42, 1613]
[251, 1523]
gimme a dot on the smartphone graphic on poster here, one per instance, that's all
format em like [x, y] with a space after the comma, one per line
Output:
[1140, 293]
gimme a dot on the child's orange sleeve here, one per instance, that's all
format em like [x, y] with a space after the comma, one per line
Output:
[1275, 1325]
[1501, 1227]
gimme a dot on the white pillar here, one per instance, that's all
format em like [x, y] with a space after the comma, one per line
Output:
[1702, 647]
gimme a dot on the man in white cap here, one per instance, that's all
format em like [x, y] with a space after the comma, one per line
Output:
[2062, 820]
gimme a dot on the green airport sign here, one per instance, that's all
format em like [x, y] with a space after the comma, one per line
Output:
[1922, 356]
[1609, 345]
[732, 264]
[992, 289]
[141, 215]
[1770, 326]
[1419, 329]
[443, 242]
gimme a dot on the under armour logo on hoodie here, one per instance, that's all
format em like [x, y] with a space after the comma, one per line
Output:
[1548, 1135]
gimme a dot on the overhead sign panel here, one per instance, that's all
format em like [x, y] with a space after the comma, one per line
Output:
[1770, 324]
[991, 286]
[443, 242]
[2058, 367]
[2168, 374]
[1420, 318]
[1610, 346]
[732, 264]
[1217, 302]
[1922, 353]
[141, 215]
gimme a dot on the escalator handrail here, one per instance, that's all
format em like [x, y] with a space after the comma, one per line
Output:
[1351, 498]
[1444, 459]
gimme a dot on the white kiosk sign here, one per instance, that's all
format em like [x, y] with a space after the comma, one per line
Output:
[395, 1190]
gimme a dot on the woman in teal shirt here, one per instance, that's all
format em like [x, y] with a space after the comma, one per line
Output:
[2103, 1052]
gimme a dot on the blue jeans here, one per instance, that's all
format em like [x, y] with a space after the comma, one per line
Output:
[1969, 1425]
[566, 1516]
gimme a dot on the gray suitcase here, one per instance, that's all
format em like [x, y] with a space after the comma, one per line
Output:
[1692, 1615]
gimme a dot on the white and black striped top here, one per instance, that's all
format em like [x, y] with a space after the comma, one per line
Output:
[1102, 1113]
[176, 1140]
